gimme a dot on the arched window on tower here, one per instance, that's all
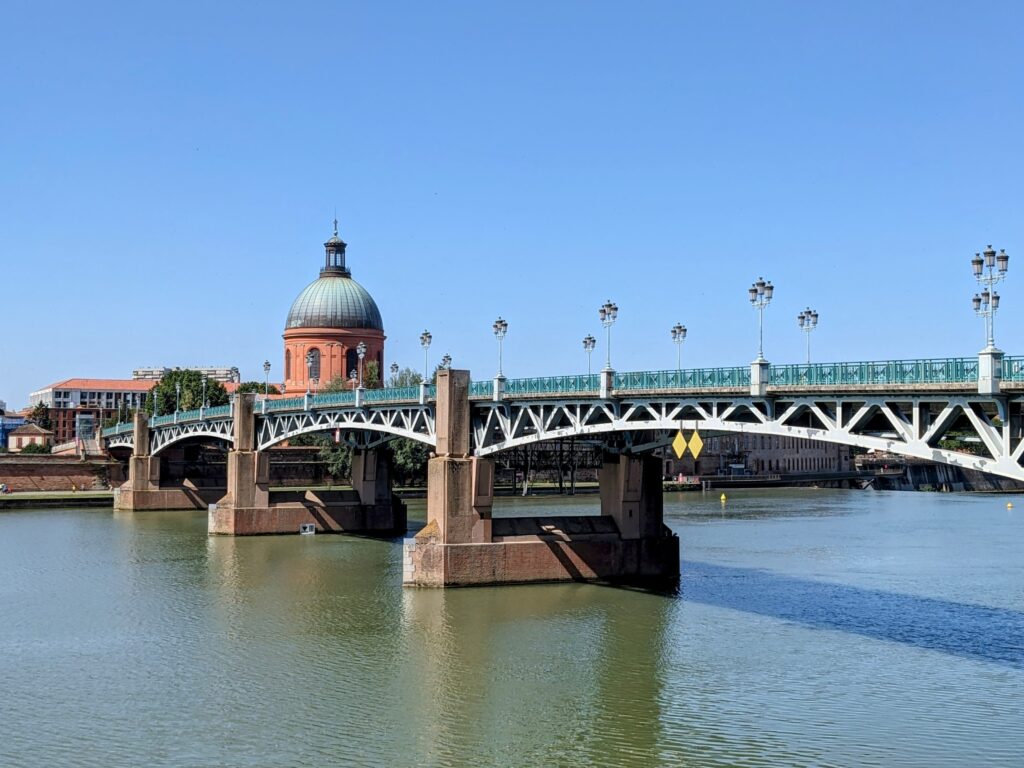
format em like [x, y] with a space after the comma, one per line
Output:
[313, 361]
[351, 363]
[287, 364]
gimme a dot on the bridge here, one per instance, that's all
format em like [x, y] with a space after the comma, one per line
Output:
[907, 407]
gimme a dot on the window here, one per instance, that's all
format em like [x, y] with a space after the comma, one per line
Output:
[313, 363]
[287, 364]
[351, 362]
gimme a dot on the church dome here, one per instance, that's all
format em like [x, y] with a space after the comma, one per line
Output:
[334, 301]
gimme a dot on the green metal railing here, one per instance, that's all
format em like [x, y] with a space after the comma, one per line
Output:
[1013, 368]
[392, 394]
[549, 385]
[951, 370]
[481, 388]
[694, 378]
[118, 429]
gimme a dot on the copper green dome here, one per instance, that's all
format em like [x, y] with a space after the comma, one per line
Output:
[334, 300]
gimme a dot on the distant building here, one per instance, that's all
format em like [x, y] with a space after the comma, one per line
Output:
[28, 434]
[8, 423]
[79, 406]
[223, 374]
[749, 454]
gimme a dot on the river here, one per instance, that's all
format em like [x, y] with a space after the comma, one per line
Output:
[812, 627]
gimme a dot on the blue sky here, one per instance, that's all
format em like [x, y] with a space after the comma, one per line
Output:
[169, 173]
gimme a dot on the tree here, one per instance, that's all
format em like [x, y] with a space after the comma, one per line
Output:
[191, 392]
[406, 377]
[338, 384]
[409, 461]
[36, 448]
[371, 374]
[40, 414]
[257, 387]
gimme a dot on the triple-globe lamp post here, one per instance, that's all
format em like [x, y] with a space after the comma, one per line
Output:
[500, 328]
[760, 293]
[425, 339]
[589, 342]
[361, 352]
[989, 269]
[678, 337]
[808, 321]
[608, 312]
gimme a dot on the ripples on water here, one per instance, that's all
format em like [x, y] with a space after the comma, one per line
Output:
[811, 628]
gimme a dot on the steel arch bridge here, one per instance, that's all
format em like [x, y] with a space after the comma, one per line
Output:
[903, 407]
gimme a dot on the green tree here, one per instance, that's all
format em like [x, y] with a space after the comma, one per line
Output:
[257, 387]
[191, 392]
[409, 461]
[36, 448]
[371, 374]
[406, 377]
[338, 384]
[40, 414]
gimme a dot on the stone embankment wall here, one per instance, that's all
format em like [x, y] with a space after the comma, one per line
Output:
[57, 473]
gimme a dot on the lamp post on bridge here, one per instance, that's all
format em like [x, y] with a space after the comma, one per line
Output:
[678, 337]
[361, 352]
[266, 379]
[760, 294]
[425, 339]
[394, 374]
[589, 342]
[808, 321]
[989, 271]
[608, 313]
[309, 370]
[500, 328]
[446, 361]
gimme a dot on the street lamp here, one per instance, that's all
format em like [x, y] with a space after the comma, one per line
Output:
[204, 391]
[446, 361]
[309, 369]
[808, 321]
[177, 396]
[760, 294]
[425, 339]
[608, 312]
[988, 272]
[266, 379]
[352, 379]
[361, 351]
[678, 336]
[394, 374]
[589, 342]
[500, 328]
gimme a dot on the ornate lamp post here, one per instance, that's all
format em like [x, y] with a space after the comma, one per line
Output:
[266, 378]
[352, 379]
[608, 312]
[394, 374]
[177, 396]
[808, 321]
[446, 361]
[678, 337]
[500, 328]
[989, 271]
[589, 342]
[760, 294]
[425, 339]
[361, 352]
[309, 369]
[204, 392]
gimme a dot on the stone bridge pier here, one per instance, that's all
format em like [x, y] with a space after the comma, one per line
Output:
[248, 508]
[143, 489]
[463, 544]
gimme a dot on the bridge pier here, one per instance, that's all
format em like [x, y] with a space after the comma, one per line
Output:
[463, 545]
[143, 491]
[247, 508]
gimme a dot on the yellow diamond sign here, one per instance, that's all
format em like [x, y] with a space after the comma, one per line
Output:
[696, 444]
[679, 445]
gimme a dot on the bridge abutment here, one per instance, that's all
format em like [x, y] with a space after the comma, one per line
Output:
[463, 545]
[248, 509]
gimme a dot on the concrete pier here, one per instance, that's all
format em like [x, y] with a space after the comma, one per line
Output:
[463, 545]
[247, 509]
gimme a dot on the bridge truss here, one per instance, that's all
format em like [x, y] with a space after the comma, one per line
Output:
[908, 424]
